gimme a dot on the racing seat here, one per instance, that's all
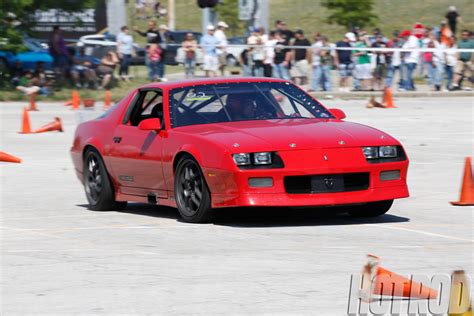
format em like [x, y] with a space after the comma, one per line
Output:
[157, 111]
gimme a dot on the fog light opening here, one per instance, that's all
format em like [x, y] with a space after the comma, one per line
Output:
[390, 175]
[260, 182]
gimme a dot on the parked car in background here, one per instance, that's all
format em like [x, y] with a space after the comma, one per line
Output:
[34, 52]
[233, 53]
[98, 45]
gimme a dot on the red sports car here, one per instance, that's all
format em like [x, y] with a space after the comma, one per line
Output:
[200, 145]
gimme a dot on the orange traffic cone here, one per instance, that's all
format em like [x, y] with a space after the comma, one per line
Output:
[53, 126]
[8, 158]
[380, 281]
[107, 100]
[25, 126]
[33, 102]
[467, 190]
[76, 100]
[388, 98]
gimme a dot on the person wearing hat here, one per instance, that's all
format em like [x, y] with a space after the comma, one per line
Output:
[209, 44]
[343, 60]
[453, 17]
[410, 58]
[221, 51]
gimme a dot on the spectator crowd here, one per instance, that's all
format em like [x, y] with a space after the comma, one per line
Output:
[358, 58]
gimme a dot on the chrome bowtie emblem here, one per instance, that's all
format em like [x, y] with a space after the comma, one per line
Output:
[329, 183]
[341, 142]
[292, 145]
[325, 157]
[236, 145]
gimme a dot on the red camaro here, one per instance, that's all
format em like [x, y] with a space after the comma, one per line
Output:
[204, 144]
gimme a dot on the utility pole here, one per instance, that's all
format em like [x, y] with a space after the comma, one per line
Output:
[116, 15]
[208, 17]
[171, 15]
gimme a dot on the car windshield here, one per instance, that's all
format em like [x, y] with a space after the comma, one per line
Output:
[246, 101]
[32, 45]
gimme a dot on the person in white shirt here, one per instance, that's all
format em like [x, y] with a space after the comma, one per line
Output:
[221, 50]
[434, 62]
[270, 44]
[410, 59]
[124, 50]
[316, 63]
[450, 59]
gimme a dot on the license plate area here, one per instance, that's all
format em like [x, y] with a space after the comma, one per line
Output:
[327, 183]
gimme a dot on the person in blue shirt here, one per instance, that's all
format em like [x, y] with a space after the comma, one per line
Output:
[209, 44]
[83, 66]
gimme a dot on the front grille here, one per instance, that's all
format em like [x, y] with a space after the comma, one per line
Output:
[327, 183]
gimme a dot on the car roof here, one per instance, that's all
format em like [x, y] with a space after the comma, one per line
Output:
[204, 81]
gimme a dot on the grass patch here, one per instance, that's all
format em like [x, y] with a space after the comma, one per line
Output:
[310, 16]
[119, 91]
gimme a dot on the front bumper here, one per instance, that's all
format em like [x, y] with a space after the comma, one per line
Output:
[231, 188]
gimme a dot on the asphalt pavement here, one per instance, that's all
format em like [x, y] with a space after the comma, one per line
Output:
[59, 258]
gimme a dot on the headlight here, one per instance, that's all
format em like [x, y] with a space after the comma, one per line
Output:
[371, 152]
[264, 158]
[375, 153]
[388, 151]
[241, 159]
[261, 159]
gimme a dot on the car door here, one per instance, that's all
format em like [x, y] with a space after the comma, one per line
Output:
[136, 155]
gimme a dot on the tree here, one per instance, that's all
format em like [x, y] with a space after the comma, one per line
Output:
[228, 11]
[16, 18]
[350, 13]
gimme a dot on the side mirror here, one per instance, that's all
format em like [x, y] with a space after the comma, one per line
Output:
[339, 114]
[151, 124]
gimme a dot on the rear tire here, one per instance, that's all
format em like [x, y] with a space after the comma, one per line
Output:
[97, 184]
[191, 192]
[371, 209]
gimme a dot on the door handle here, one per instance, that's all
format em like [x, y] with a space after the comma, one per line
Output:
[117, 139]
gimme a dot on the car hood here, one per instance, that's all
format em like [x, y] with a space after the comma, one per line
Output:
[290, 134]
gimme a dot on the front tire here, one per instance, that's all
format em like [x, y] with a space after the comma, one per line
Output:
[191, 192]
[97, 184]
[371, 209]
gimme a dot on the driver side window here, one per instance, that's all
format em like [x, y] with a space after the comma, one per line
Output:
[148, 105]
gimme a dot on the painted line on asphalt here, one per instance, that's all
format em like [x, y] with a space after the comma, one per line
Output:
[420, 232]
[30, 231]
[54, 216]
[50, 250]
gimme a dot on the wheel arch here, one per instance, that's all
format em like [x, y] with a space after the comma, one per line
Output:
[182, 153]
[87, 148]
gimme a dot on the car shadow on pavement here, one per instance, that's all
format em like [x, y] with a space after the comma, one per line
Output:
[268, 216]
[281, 217]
